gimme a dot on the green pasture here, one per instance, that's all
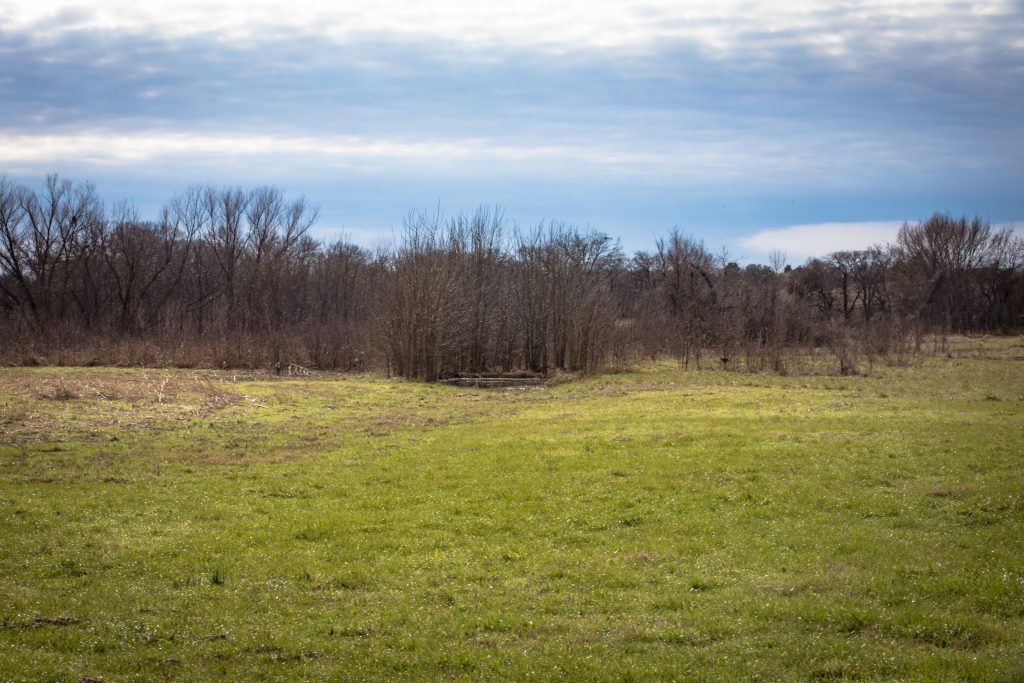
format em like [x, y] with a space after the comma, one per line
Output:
[654, 524]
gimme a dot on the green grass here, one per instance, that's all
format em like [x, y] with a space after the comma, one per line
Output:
[175, 524]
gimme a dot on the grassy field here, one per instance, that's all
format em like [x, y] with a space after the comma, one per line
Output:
[180, 524]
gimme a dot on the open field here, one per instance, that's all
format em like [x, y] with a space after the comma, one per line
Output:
[181, 524]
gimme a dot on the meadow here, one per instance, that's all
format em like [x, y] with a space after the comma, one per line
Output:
[652, 524]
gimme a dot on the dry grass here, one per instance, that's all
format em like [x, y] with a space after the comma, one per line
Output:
[61, 404]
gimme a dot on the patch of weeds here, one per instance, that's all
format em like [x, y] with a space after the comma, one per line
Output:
[217, 578]
[956, 637]
[352, 581]
[793, 587]
[288, 493]
[949, 491]
[314, 534]
[69, 567]
[632, 521]
[700, 585]
[349, 632]
[60, 391]
[852, 623]
[674, 603]
[980, 518]
[278, 654]
[11, 413]
[834, 671]
[38, 622]
[946, 634]
[510, 556]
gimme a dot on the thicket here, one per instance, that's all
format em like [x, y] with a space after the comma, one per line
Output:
[231, 278]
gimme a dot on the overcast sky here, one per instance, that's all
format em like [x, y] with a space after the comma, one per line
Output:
[801, 126]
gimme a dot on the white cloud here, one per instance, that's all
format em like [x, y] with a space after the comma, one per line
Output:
[691, 160]
[804, 241]
[785, 162]
[717, 25]
[106, 148]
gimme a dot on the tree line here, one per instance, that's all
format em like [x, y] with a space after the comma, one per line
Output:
[232, 278]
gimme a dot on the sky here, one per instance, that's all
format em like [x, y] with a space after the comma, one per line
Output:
[803, 127]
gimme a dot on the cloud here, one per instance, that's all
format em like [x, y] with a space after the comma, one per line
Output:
[721, 114]
[805, 241]
[106, 148]
[97, 66]
[908, 75]
[738, 161]
[716, 25]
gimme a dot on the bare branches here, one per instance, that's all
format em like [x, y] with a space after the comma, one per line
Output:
[231, 277]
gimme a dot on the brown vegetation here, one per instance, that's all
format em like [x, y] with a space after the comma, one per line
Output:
[230, 278]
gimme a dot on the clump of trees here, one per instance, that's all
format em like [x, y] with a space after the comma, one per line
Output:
[230, 277]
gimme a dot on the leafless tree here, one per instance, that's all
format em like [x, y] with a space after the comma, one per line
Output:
[227, 276]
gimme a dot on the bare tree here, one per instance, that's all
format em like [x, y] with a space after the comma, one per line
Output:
[228, 276]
